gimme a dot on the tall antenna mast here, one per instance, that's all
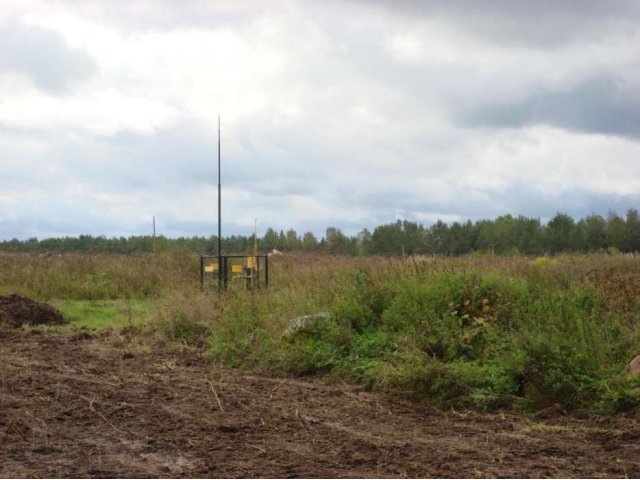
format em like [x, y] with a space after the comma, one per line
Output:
[219, 214]
[251, 267]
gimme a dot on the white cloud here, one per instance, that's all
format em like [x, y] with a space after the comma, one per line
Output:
[105, 112]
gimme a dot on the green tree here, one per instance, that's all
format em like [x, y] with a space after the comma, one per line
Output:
[559, 231]
[505, 234]
[309, 242]
[595, 231]
[530, 235]
[437, 238]
[632, 233]
[293, 242]
[462, 238]
[338, 243]
[387, 239]
[616, 231]
[270, 239]
[579, 237]
[364, 242]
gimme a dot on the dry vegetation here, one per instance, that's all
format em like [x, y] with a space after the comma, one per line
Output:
[484, 332]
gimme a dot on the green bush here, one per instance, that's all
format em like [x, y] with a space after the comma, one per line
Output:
[490, 336]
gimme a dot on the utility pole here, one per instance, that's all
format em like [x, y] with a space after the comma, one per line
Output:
[154, 234]
[255, 237]
[219, 214]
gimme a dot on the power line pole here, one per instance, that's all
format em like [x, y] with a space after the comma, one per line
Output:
[219, 214]
[154, 234]
[255, 237]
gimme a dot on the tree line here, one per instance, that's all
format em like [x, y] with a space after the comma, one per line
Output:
[506, 234]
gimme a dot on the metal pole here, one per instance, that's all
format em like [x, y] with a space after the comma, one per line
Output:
[219, 214]
[255, 237]
[154, 234]
[201, 272]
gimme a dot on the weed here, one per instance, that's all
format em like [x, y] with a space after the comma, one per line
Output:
[483, 331]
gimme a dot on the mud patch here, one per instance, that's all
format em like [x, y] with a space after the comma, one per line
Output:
[104, 407]
[16, 311]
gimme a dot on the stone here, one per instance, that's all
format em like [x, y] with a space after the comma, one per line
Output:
[306, 323]
[633, 368]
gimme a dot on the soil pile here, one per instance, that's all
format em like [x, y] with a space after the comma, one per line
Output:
[16, 311]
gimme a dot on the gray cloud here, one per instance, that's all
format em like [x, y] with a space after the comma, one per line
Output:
[538, 24]
[517, 199]
[184, 156]
[577, 203]
[43, 56]
[595, 106]
[163, 15]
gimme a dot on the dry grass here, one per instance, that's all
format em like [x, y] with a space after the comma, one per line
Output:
[481, 330]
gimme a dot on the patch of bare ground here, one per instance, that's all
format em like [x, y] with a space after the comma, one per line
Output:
[111, 405]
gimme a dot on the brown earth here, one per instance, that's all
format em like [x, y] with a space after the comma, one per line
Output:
[121, 405]
[16, 311]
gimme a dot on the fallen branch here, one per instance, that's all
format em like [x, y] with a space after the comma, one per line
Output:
[215, 395]
[92, 409]
[281, 382]
[260, 449]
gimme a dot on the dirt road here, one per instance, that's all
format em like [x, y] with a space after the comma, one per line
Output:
[111, 405]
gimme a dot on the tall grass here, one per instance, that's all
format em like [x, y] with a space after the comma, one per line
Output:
[484, 331]
[96, 277]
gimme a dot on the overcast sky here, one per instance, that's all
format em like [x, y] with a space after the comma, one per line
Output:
[334, 113]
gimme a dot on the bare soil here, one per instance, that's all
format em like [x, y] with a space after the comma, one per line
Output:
[121, 405]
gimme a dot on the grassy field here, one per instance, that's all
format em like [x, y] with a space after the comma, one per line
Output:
[101, 314]
[482, 332]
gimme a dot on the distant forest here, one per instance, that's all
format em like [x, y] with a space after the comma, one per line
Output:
[504, 235]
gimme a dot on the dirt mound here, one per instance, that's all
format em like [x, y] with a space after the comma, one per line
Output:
[16, 311]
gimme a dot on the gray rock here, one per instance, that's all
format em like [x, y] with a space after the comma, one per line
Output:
[306, 323]
[633, 368]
